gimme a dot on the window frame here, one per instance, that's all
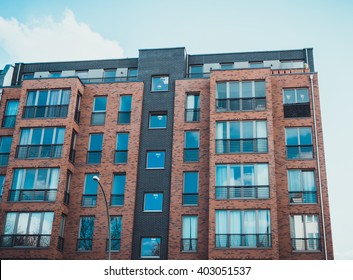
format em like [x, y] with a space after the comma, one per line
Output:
[160, 207]
[151, 238]
[155, 151]
[157, 114]
[160, 77]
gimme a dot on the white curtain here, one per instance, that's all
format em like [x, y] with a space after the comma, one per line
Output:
[190, 102]
[65, 97]
[25, 136]
[308, 181]
[60, 132]
[54, 97]
[221, 228]
[190, 227]
[262, 175]
[18, 179]
[294, 180]
[31, 98]
[250, 228]
[221, 175]
[54, 178]
[11, 108]
[264, 222]
[235, 228]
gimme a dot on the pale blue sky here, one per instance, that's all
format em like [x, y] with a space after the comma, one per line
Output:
[114, 28]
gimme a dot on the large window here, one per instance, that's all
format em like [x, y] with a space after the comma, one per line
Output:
[94, 154]
[60, 246]
[85, 237]
[189, 234]
[305, 233]
[2, 181]
[192, 111]
[5, 147]
[301, 186]
[99, 110]
[241, 137]
[191, 188]
[109, 75]
[153, 202]
[117, 198]
[243, 228]
[160, 83]
[158, 120]
[115, 232]
[296, 102]
[150, 247]
[72, 154]
[27, 229]
[34, 184]
[124, 115]
[47, 104]
[191, 146]
[122, 147]
[11, 111]
[299, 143]
[78, 108]
[242, 181]
[155, 160]
[132, 74]
[196, 71]
[89, 197]
[41, 142]
[241, 96]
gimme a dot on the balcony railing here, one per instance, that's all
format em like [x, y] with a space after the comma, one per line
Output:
[303, 197]
[192, 115]
[49, 111]
[242, 192]
[190, 199]
[77, 116]
[246, 145]
[120, 156]
[114, 244]
[306, 244]
[297, 110]
[300, 152]
[94, 157]
[72, 155]
[84, 244]
[32, 195]
[66, 198]
[109, 79]
[89, 200]
[98, 118]
[25, 240]
[117, 200]
[241, 104]
[243, 240]
[8, 121]
[39, 151]
[4, 159]
[198, 75]
[60, 244]
[189, 244]
[191, 154]
[124, 117]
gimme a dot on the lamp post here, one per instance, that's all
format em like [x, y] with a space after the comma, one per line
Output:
[96, 178]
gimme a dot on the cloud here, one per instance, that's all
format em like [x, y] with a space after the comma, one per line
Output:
[47, 40]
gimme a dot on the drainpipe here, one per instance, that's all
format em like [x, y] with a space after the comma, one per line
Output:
[318, 165]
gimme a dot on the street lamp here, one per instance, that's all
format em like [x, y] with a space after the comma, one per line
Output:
[96, 178]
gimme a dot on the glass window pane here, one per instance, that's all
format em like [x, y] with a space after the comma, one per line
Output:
[36, 136]
[289, 96]
[34, 225]
[41, 182]
[86, 227]
[119, 184]
[248, 130]
[262, 175]
[246, 89]
[158, 121]
[11, 108]
[115, 227]
[29, 179]
[191, 139]
[302, 95]
[122, 142]
[235, 176]
[10, 223]
[191, 182]
[153, 202]
[260, 89]
[221, 90]
[47, 222]
[305, 136]
[192, 101]
[31, 98]
[59, 136]
[132, 72]
[100, 104]
[249, 175]
[292, 136]
[42, 98]
[150, 247]
[125, 103]
[155, 160]
[91, 186]
[22, 223]
[294, 180]
[196, 71]
[48, 136]
[234, 91]
[5, 144]
[234, 128]
[96, 141]
[160, 83]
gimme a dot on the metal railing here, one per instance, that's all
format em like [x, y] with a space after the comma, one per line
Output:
[245, 145]
[114, 244]
[77, 116]
[84, 244]
[94, 157]
[295, 110]
[109, 79]
[25, 240]
[72, 155]
[192, 115]
[302, 197]
[120, 156]
[48, 111]
[198, 75]
[243, 240]
[9, 121]
[243, 192]
[189, 244]
[241, 104]
[60, 246]
[124, 117]
[98, 118]
[39, 151]
[117, 200]
[191, 154]
[300, 152]
[89, 200]
[190, 198]
[66, 198]
[306, 244]
[4, 159]
[32, 195]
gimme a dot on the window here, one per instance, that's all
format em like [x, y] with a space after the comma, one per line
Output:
[67, 188]
[132, 74]
[61, 233]
[160, 83]
[299, 143]
[241, 96]
[243, 228]
[11, 111]
[34, 184]
[153, 202]
[47, 104]
[292, 64]
[2, 182]
[99, 110]
[196, 71]
[115, 232]
[122, 147]
[189, 234]
[95, 145]
[55, 74]
[256, 64]
[155, 160]
[296, 102]
[301, 186]
[73, 146]
[158, 120]
[83, 74]
[192, 111]
[77, 108]
[27, 229]
[117, 198]
[41, 142]
[191, 146]
[305, 233]
[191, 188]
[150, 247]
[89, 197]
[5, 147]
[125, 109]
[85, 238]
[27, 76]
[109, 75]
[241, 137]
[227, 66]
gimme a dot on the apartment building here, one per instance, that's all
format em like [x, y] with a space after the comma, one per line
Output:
[213, 156]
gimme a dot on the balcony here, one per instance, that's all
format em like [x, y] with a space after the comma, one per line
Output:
[32, 195]
[60, 246]
[191, 154]
[25, 240]
[94, 157]
[302, 197]
[248, 145]
[98, 118]
[84, 244]
[242, 192]
[39, 151]
[49, 111]
[300, 152]
[117, 200]
[297, 110]
[66, 198]
[192, 115]
[109, 79]
[4, 159]
[124, 117]
[241, 104]
[114, 244]
[243, 240]
[190, 199]
[189, 244]
[198, 75]
[306, 244]
[89, 200]
[120, 156]
[8, 121]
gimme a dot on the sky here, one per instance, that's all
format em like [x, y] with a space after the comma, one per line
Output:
[62, 30]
